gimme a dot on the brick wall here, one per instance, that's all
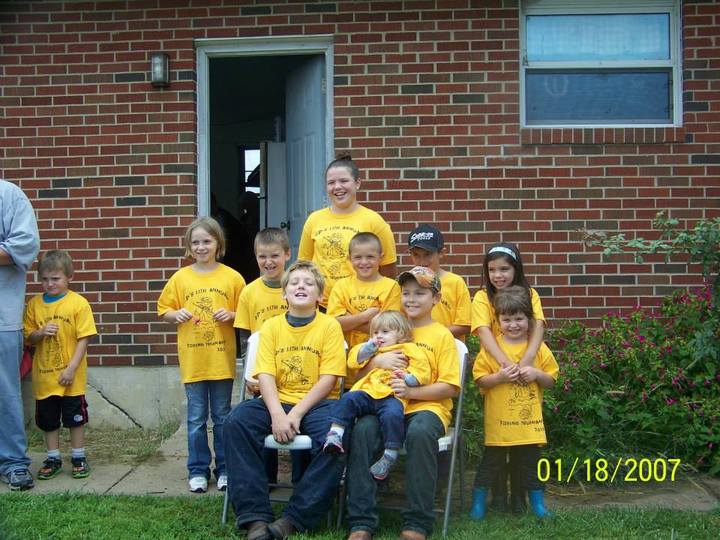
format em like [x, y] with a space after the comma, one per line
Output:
[426, 98]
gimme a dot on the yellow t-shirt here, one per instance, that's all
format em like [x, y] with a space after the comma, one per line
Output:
[206, 347]
[257, 304]
[513, 412]
[454, 305]
[74, 317]
[296, 357]
[377, 383]
[326, 237]
[483, 312]
[351, 296]
[439, 345]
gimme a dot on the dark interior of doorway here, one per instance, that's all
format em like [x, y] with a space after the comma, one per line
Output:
[247, 106]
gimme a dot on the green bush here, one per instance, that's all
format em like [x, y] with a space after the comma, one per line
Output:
[646, 383]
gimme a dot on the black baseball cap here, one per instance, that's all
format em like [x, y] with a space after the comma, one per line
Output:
[427, 237]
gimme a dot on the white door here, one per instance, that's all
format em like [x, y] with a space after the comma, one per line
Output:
[305, 138]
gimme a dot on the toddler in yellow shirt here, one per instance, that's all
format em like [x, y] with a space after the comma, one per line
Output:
[372, 394]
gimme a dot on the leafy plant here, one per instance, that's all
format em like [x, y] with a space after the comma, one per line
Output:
[645, 383]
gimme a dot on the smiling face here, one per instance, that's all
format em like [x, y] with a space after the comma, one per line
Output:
[500, 273]
[203, 246]
[54, 282]
[271, 260]
[301, 292]
[514, 327]
[341, 188]
[417, 301]
[365, 259]
[426, 258]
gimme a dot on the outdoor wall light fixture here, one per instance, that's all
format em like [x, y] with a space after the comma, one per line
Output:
[159, 70]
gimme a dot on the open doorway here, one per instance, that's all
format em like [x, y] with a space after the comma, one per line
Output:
[267, 147]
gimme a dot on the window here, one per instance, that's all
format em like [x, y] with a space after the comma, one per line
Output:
[600, 63]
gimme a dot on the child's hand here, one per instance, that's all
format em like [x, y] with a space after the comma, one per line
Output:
[67, 376]
[254, 388]
[391, 360]
[528, 374]
[283, 429]
[509, 373]
[182, 315]
[400, 388]
[50, 329]
[399, 374]
[223, 315]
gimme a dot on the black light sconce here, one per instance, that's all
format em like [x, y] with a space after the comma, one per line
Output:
[160, 70]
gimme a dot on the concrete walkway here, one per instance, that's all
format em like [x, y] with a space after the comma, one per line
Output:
[165, 474]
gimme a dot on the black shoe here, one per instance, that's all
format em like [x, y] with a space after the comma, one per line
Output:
[51, 468]
[282, 529]
[518, 505]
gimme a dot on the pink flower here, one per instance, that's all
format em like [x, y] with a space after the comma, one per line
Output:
[641, 339]
[670, 401]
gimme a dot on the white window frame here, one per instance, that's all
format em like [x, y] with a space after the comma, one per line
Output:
[599, 7]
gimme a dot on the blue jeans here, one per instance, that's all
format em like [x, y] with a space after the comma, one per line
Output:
[13, 444]
[423, 428]
[202, 395]
[245, 430]
[389, 410]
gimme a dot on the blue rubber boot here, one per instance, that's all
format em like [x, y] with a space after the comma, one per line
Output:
[479, 506]
[537, 504]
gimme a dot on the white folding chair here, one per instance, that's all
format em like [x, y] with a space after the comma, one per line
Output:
[452, 443]
[300, 442]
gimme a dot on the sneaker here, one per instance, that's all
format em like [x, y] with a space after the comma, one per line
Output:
[222, 482]
[80, 467]
[381, 468]
[333, 444]
[198, 484]
[51, 468]
[19, 479]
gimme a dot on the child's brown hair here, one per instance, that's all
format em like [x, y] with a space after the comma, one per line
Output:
[213, 228]
[56, 259]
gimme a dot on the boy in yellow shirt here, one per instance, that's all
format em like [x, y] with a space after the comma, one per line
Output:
[513, 411]
[355, 300]
[373, 395]
[427, 247]
[59, 323]
[263, 297]
[300, 358]
[427, 416]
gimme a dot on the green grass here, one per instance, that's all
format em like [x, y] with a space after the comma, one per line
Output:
[75, 517]
[130, 446]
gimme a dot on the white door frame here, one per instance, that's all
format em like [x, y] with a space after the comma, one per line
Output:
[252, 46]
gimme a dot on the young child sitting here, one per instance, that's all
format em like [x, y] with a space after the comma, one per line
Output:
[59, 323]
[299, 360]
[513, 411]
[372, 394]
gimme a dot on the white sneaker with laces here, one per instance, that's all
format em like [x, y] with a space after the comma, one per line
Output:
[198, 484]
[222, 482]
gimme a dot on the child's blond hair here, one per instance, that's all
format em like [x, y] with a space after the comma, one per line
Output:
[213, 228]
[308, 266]
[395, 321]
[54, 260]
